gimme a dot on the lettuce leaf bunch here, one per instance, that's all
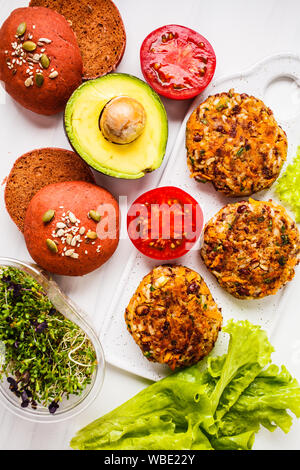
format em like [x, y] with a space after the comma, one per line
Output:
[221, 407]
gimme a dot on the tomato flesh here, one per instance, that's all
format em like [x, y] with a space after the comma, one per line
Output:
[164, 223]
[177, 62]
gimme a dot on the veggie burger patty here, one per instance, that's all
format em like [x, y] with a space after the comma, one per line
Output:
[173, 317]
[234, 141]
[252, 248]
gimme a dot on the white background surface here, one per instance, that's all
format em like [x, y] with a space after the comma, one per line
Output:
[241, 33]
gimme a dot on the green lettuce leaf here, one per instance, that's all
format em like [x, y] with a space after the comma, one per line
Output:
[242, 441]
[220, 407]
[249, 351]
[265, 402]
[288, 186]
[166, 415]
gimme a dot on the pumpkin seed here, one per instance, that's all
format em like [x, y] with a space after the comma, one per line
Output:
[29, 46]
[45, 61]
[51, 245]
[39, 79]
[48, 216]
[21, 29]
[92, 235]
[94, 215]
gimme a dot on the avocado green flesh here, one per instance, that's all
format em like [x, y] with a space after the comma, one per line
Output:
[130, 161]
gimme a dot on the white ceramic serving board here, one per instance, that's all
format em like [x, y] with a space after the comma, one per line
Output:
[275, 81]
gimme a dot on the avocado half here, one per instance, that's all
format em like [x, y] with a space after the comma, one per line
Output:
[129, 161]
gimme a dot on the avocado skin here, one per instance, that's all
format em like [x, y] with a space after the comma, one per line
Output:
[99, 167]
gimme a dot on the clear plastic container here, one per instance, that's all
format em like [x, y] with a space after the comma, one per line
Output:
[68, 408]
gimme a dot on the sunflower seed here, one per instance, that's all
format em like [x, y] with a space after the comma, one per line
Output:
[60, 233]
[69, 252]
[45, 40]
[53, 74]
[28, 82]
[75, 240]
[72, 218]
[69, 239]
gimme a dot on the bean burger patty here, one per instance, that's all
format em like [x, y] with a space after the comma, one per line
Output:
[173, 317]
[234, 142]
[252, 248]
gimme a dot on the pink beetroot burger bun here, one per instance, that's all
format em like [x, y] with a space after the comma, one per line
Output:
[53, 37]
[82, 243]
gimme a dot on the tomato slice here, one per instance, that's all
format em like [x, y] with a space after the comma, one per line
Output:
[164, 223]
[177, 62]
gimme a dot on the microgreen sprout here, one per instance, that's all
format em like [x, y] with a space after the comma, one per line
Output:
[47, 356]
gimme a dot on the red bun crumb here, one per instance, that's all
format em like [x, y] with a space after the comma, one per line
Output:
[74, 198]
[58, 43]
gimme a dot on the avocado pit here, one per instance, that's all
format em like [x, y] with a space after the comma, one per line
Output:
[122, 120]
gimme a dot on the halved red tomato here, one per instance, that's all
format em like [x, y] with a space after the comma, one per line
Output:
[177, 62]
[164, 223]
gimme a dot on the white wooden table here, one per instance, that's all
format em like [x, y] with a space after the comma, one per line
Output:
[241, 33]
